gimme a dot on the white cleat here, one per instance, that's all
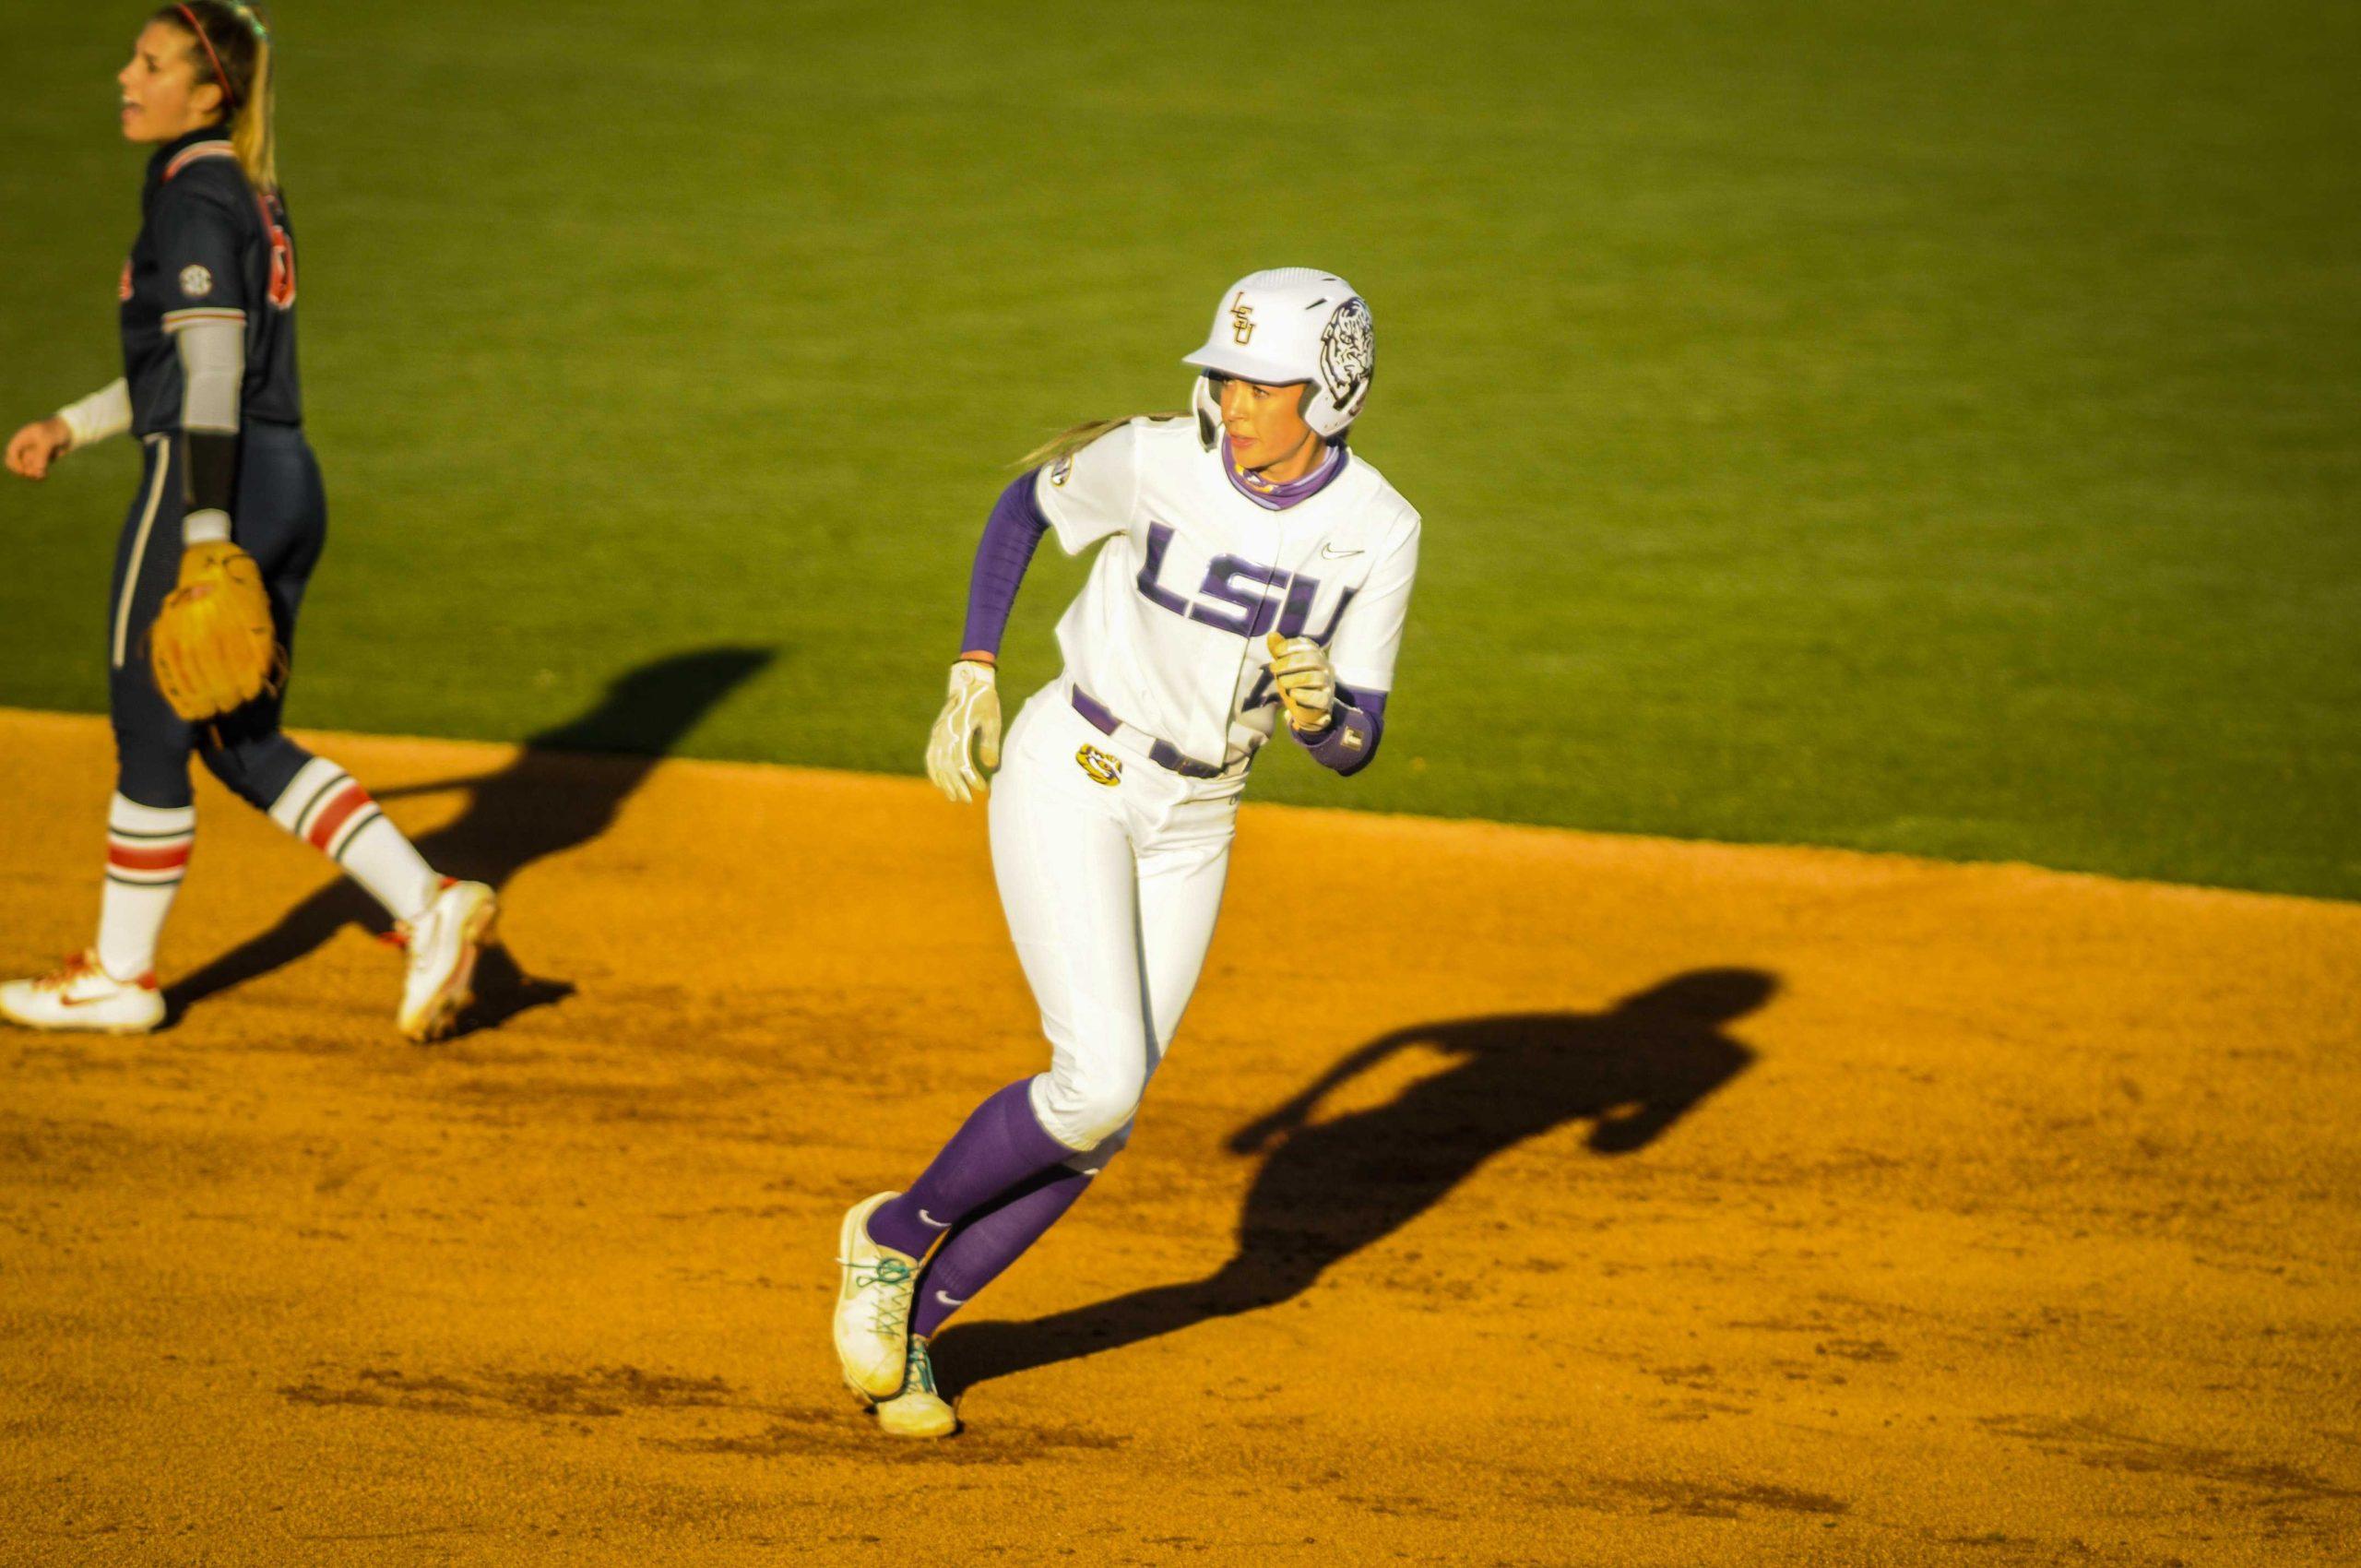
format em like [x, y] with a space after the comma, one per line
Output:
[443, 943]
[872, 1306]
[83, 996]
[920, 1410]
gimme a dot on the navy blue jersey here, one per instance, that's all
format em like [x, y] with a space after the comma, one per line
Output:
[210, 248]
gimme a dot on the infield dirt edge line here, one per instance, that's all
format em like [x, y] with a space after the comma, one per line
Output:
[1348, 817]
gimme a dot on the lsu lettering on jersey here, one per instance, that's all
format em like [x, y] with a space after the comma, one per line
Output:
[1168, 632]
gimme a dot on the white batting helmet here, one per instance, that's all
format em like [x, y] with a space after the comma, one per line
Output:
[1289, 325]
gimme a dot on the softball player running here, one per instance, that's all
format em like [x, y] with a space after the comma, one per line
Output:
[1251, 568]
[210, 388]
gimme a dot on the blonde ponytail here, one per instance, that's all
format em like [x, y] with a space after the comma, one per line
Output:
[251, 133]
[1066, 443]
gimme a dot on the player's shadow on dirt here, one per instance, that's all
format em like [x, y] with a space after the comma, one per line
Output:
[553, 797]
[1329, 1189]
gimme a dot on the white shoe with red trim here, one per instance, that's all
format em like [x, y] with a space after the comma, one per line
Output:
[82, 995]
[443, 943]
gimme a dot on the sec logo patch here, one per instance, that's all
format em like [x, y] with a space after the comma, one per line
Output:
[1102, 768]
[1062, 470]
[195, 283]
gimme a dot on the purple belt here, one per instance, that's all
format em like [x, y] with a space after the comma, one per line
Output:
[1161, 752]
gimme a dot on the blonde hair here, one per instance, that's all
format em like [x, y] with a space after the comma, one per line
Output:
[230, 48]
[1073, 438]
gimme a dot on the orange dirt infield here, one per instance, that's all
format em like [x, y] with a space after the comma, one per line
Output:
[1616, 1202]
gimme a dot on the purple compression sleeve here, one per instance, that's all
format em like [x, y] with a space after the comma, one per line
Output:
[1000, 1144]
[1011, 535]
[980, 1250]
[1351, 740]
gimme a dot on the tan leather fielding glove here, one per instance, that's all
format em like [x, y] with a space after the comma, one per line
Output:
[213, 647]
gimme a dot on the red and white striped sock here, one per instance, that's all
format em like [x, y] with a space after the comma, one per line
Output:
[324, 808]
[148, 850]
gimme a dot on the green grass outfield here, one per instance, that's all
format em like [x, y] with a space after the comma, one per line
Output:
[1933, 428]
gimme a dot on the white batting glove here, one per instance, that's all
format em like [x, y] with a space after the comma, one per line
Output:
[1306, 682]
[965, 748]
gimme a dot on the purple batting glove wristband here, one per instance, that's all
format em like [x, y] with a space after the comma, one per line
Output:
[1355, 724]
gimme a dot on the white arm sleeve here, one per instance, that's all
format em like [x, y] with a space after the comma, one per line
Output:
[1362, 653]
[104, 413]
[1091, 496]
[213, 371]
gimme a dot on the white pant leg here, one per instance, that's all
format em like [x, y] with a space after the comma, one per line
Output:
[1061, 854]
[1183, 864]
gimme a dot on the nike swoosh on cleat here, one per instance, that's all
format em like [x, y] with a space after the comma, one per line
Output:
[938, 1224]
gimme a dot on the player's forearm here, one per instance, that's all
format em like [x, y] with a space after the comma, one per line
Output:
[102, 414]
[213, 373]
[1356, 722]
[1011, 535]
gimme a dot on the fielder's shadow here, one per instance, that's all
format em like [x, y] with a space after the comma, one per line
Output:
[1327, 1191]
[553, 797]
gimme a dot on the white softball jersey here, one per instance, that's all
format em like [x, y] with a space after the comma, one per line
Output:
[1168, 632]
[1111, 854]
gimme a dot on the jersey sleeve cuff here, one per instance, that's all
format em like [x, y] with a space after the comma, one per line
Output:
[1073, 535]
[175, 320]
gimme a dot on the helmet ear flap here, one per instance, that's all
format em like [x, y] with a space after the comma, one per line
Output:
[1208, 410]
[1348, 365]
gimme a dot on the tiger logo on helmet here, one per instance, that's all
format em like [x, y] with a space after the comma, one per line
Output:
[1347, 350]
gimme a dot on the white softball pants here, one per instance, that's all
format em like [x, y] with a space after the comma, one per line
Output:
[1110, 890]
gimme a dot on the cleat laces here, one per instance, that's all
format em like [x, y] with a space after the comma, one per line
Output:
[63, 977]
[892, 1284]
[919, 1375]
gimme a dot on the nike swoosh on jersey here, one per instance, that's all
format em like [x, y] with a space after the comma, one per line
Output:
[1331, 552]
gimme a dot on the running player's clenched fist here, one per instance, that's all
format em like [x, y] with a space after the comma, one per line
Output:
[965, 748]
[1306, 684]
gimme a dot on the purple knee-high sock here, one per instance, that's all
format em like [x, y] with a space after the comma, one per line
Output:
[980, 1250]
[1000, 1144]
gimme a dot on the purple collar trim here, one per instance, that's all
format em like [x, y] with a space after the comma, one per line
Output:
[1279, 497]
